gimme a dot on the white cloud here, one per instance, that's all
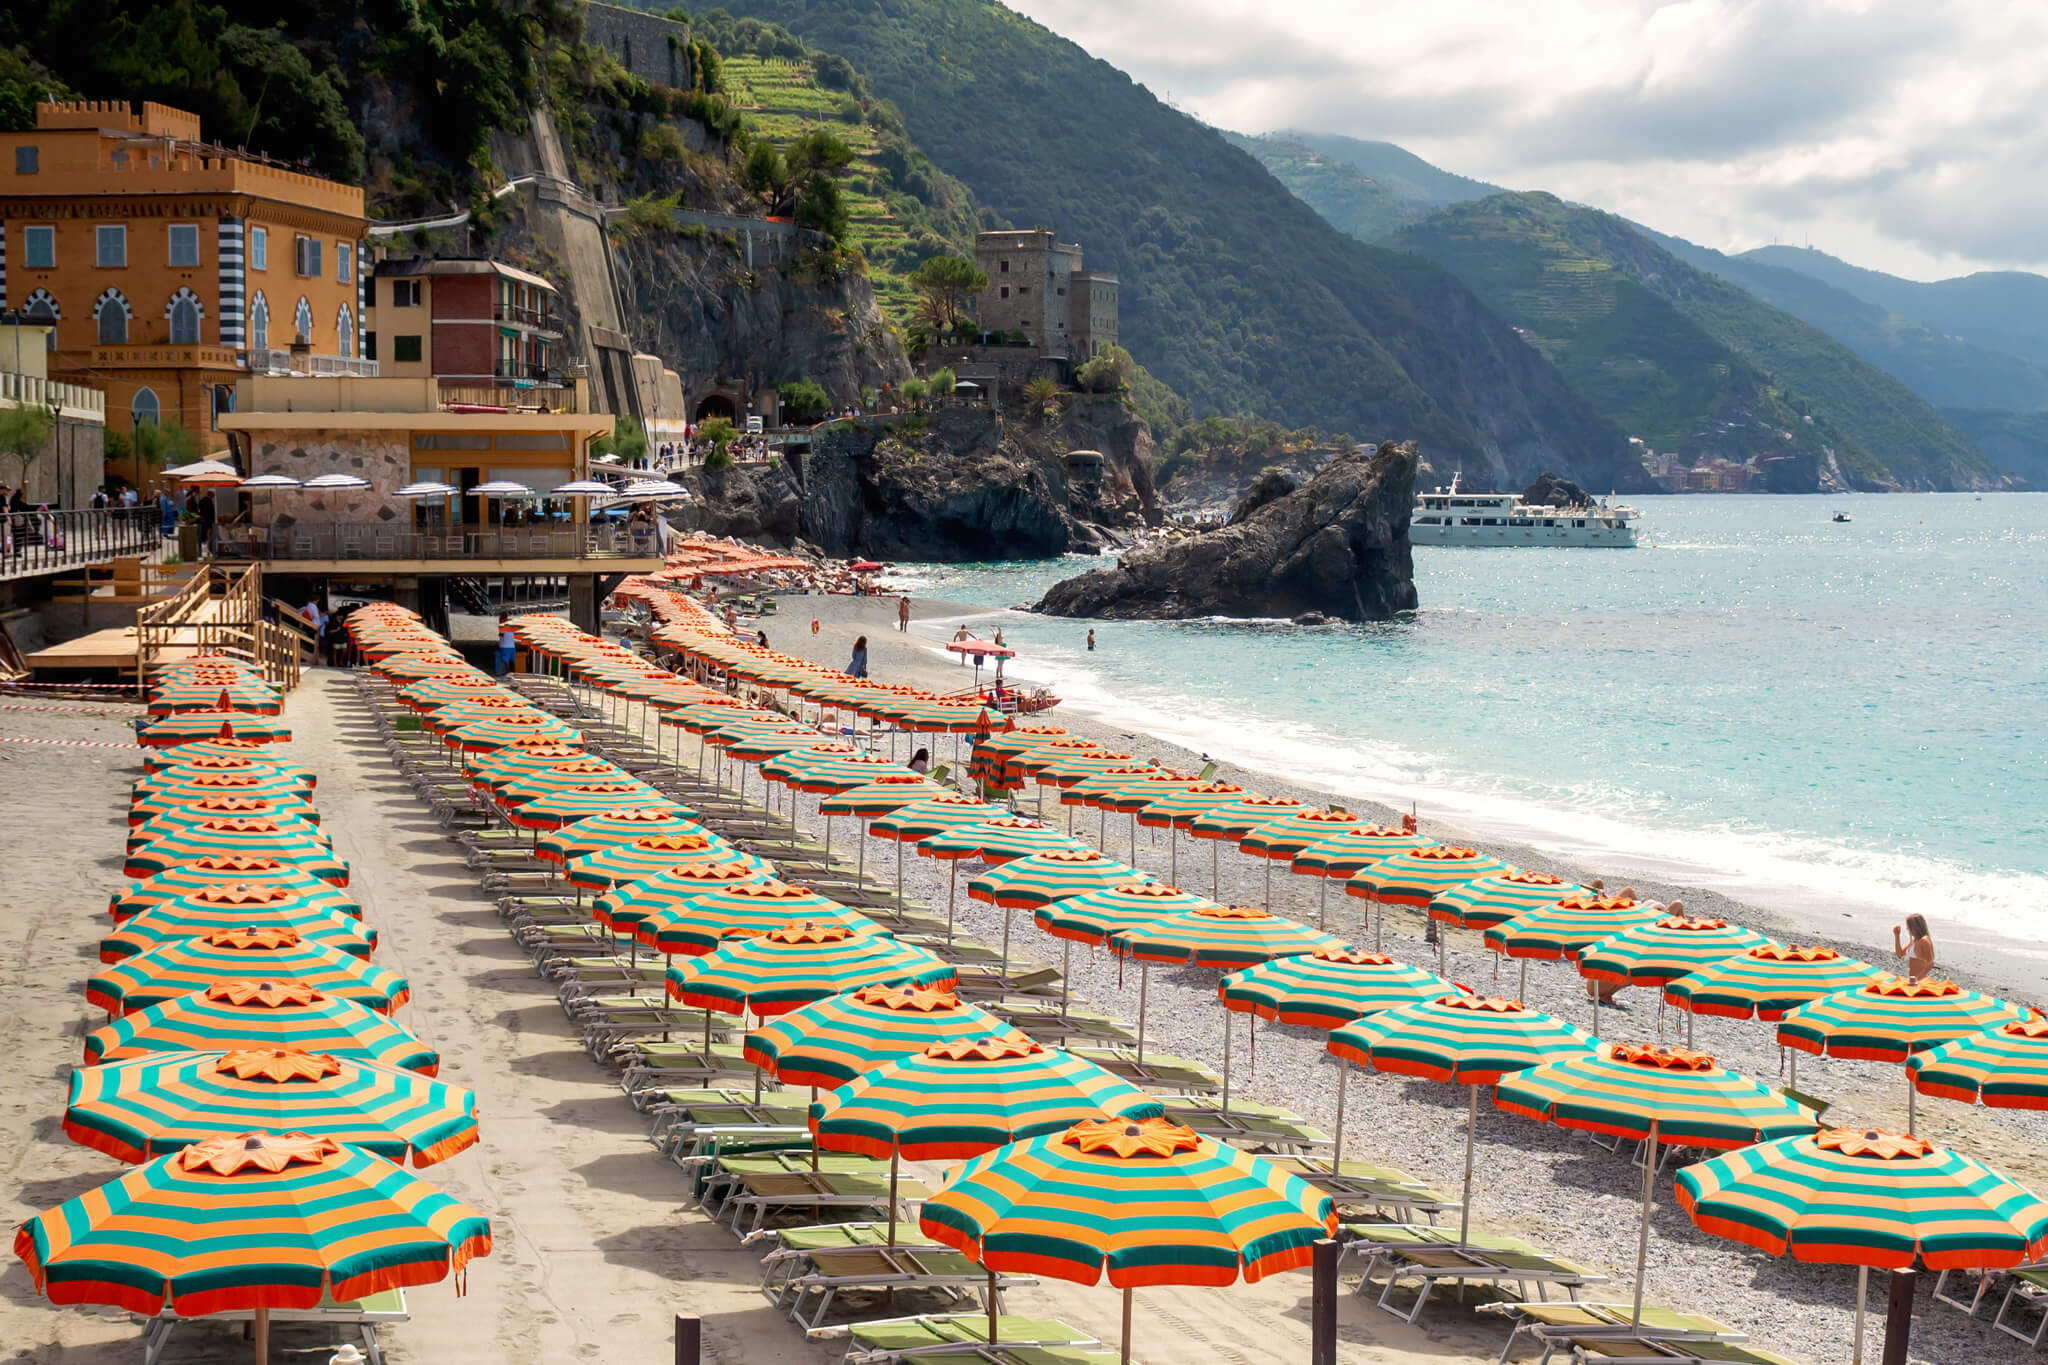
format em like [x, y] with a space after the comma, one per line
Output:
[1899, 134]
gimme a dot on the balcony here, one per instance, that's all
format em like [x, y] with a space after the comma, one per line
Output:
[380, 542]
[525, 374]
[42, 542]
[538, 319]
[284, 362]
[163, 356]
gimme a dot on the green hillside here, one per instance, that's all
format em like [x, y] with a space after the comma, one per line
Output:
[1348, 198]
[1395, 169]
[1665, 348]
[2017, 441]
[1233, 292]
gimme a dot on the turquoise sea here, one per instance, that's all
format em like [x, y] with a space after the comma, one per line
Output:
[1756, 698]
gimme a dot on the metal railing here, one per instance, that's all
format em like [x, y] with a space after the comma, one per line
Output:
[521, 369]
[527, 317]
[38, 542]
[280, 362]
[378, 541]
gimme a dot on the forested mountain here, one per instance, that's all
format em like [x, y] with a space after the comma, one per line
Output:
[1352, 201]
[1395, 169]
[1233, 291]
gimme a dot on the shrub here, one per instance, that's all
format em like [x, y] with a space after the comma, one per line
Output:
[718, 457]
[940, 383]
[1109, 371]
[803, 398]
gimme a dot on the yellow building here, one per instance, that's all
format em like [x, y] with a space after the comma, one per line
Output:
[172, 267]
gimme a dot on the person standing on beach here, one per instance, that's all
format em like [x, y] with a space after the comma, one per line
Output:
[507, 644]
[857, 666]
[903, 613]
[1916, 945]
[1091, 642]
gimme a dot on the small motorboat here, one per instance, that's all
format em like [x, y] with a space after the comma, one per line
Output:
[1841, 516]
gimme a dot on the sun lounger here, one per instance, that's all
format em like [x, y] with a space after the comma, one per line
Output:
[1258, 1127]
[1555, 1324]
[810, 1267]
[1043, 1019]
[648, 1065]
[928, 1338]
[758, 1196]
[363, 1315]
[606, 1021]
[1363, 1190]
[2028, 1290]
[1158, 1071]
[1428, 1255]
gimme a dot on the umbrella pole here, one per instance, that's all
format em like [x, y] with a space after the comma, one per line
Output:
[1471, 1127]
[1066, 972]
[899, 875]
[1337, 1155]
[1134, 838]
[1269, 884]
[952, 886]
[1643, 1235]
[1379, 921]
[1522, 991]
[1226, 1061]
[259, 1332]
[1215, 869]
[1125, 1358]
[1323, 903]
[1172, 854]
[814, 1140]
[1144, 980]
[895, 1159]
[992, 1306]
[1911, 1111]
[860, 874]
[1862, 1297]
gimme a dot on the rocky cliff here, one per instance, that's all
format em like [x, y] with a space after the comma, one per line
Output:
[955, 484]
[1336, 546]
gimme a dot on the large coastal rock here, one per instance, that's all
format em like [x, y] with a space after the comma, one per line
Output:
[1338, 546]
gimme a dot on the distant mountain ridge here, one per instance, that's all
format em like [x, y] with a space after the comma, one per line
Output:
[1401, 171]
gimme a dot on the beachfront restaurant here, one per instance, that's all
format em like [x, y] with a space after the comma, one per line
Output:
[395, 434]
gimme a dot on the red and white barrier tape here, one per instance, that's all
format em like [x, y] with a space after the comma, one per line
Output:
[67, 743]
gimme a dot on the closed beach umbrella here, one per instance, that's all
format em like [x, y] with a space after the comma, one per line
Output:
[187, 726]
[2005, 1067]
[230, 870]
[789, 967]
[826, 1044]
[175, 969]
[1767, 981]
[1329, 987]
[1001, 840]
[250, 1222]
[1062, 1205]
[299, 844]
[1870, 1199]
[603, 868]
[240, 1014]
[1891, 1018]
[1496, 899]
[216, 908]
[616, 827]
[146, 1106]
[742, 910]
[1280, 839]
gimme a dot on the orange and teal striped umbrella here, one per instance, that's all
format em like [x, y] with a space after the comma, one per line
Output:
[229, 754]
[431, 694]
[2005, 1067]
[552, 810]
[475, 710]
[1865, 1197]
[1566, 928]
[1418, 876]
[792, 966]
[1144, 1200]
[1493, 900]
[216, 771]
[503, 766]
[1329, 987]
[230, 906]
[601, 869]
[828, 774]
[1622, 1089]
[221, 694]
[1000, 840]
[1092, 791]
[151, 798]
[759, 743]
[517, 727]
[230, 870]
[612, 829]
[1459, 1040]
[741, 910]
[415, 664]
[964, 1096]
[146, 1106]
[622, 908]
[524, 784]
[183, 815]
[703, 716]
[187, 726]
[1228, 937]
[870, 800]
[1029, 758]
[296, 843]
[1890, 1018]
[1662, 951]
[1140, 791]
[1240, 817]
[933, 815]
[174, 969]
[1095, 915]
[1176, 809]
[991, 761]
[239, 1014]
[1053, 766]
[1288, 835]
[831, 1042]
[1766, 981]
[250, 1221]
[1042, 878]
[1354, 849]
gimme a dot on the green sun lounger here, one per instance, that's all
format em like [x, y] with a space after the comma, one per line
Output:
[2028, 1289]
[1158, 1071]
[1574, 1326]
[648, 1066]
[1426, 1256]
[943, 1338]
[806, 1280]
[752, 1197]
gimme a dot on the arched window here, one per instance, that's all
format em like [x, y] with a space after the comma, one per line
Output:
[42, 304]
[183, 312]
[145, 407]
[259, 323]
[302, 321]
[111, 313]
[345, 333]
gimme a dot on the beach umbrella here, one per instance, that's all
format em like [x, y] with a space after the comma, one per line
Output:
[431, 694]
[1338, 856]
[294, 842]
[1224, 937]
[411, 665]
[1417, 876]
[216, 695]
[1329, 987]
[216, 908]
[1230, 823]
[1282, 838]
[997, 841]
[222, 755]
[922, 819]
[965, 1096]
[230, 870]
[250, 1222]
[1766, 982]
[182, 765]
[490, 706]
[143, 1107]
[552, 810]
[1561, 931]
[1488, 901]
[174, 969]
[1093, 916]
[517, 727]
[286, 807]
[622, 908]
[612, 829]
[1135, 793]
[830, 1042]
[241, 1014]
[882, 793]
[1658, 953]
[604, 868]
[1870, 1199]
[1092, 790]
[1062, 1205]
[1652, 1094]
[2005, 1067]
[336, 483]
[789, 967]
[1458, 1039]
[1042, 878]
[990, 763]
[1891, 1018]
[511, 788]
[741, 910]
[502, 767]
[187, 726]
[146, 802]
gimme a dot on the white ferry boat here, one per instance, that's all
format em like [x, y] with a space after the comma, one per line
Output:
[1449, 517]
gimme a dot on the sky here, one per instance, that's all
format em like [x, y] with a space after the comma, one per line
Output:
[1903, 135]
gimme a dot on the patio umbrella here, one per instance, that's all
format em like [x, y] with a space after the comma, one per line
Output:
[183, 764]
[1561, 931]
[832, 1041]
[622, 908]
[143, 1107]
[187, 726]
[1061, 1205]
[1223, 937]
[284, 1013]
[249, 694]
[1042, 878]
[217, 908]
[1658, 953]
[1891, 1018]
[174, 969]
[518, 727]
[1496, 899]
[613, 829]
[1870, 1199]
[552, 810]
[1281, 839]
[1339, 856]
[146, 802]
[965, 1096]
[922, 819]
[1467, 1040]
[1654, 1094]
[2004, 1068]
[252, 1221]
[789, 967]
[285, 807]
[1329, 987]
[741, 910]
[205, 474]
[229, 869]
[487, 706]
[604, 868]
[510, 788]
[1767, 982]
[293, 842]
[1229, 823]
[1417, 876]
[430, 694]
[336, 483]
[997, 841]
